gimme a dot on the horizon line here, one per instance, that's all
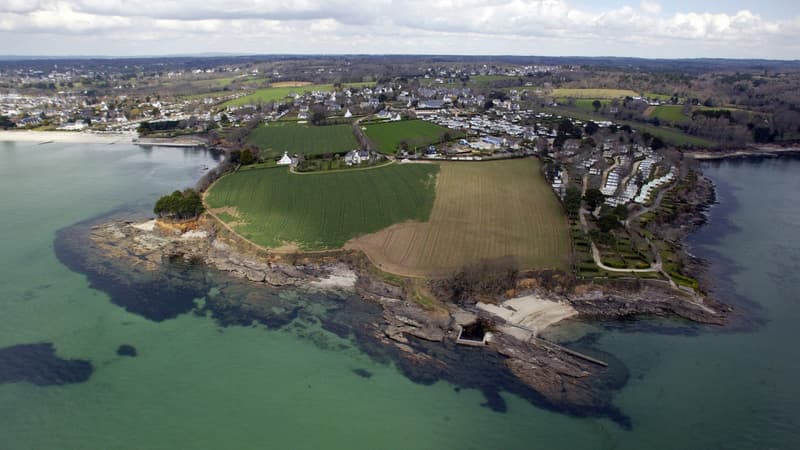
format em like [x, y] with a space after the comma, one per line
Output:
[33, 57]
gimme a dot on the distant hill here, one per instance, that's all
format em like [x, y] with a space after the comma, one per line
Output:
[213, 59]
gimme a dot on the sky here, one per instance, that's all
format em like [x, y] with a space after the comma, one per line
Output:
[646, 28]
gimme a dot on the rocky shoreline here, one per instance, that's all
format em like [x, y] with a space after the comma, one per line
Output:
[696, 200]
[422, 339]
[763, 151]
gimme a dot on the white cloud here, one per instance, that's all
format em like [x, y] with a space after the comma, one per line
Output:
[404, 26]
[650, 6]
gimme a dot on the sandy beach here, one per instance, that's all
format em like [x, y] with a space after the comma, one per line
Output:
[69, 137]
[532, 313]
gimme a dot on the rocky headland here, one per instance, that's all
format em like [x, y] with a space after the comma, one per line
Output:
[428, 340]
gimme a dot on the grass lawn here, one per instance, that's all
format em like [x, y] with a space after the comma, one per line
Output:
[584, 103]
[594, 93]
[659, 97]
[671, 135]
[387, 136]
[668, 113]
[275, 208]
[485, 210]
[276, 138]
[273, 94]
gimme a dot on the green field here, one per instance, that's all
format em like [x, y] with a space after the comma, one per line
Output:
[594, 93]
[485, 80]
[668, 113]
[672, 135]
[275, 208]
[274, 94]
[277, 137]
[417, 133]
[583, 103]
[217, 87]
[659, 97]
[208, 95]
[669, 135]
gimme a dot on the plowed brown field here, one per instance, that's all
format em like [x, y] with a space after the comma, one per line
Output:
[483, 210]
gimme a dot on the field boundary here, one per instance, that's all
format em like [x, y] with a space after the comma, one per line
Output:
[357, 169]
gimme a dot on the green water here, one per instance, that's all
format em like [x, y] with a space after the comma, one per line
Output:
[197, 385]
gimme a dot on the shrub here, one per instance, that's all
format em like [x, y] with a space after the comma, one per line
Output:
[180, 205]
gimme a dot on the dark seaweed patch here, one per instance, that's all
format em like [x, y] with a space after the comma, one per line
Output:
[363, 373]
[464, 367]
[172, 289]
[39, 365]
[158, 295]
[126, 350]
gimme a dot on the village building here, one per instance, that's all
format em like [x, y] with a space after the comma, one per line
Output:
[285, 160]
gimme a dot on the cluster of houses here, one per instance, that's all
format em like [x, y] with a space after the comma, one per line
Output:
[356, 157]
[623, 172]
[652, 185]
[71, 111]
[612, 181]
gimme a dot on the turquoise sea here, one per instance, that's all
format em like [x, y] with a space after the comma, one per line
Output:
[200, 382]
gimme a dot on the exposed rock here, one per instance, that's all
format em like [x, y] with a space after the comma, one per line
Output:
[278, 278]
[421, 337]
[253, 275]
[614, 301]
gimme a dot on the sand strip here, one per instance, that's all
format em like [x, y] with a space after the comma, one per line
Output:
[341, 277]
[67, 137]
[530, 312]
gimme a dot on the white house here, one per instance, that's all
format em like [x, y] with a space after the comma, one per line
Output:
[356, 157]
[285, 160]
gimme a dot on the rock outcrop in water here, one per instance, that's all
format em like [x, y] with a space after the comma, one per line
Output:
[38, 364]
[124, 258]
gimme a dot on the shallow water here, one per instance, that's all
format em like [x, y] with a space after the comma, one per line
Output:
[196, 384]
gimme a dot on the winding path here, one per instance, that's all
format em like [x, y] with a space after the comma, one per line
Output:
[655, 267]
[653, 207]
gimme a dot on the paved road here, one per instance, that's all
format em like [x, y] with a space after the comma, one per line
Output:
[585, 184]
[624, 183]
